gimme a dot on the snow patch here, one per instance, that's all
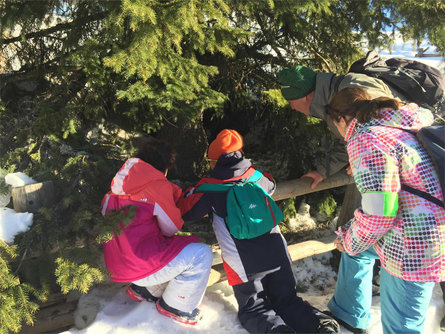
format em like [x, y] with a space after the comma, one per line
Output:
[18, 179]
[302, 220]
[12, 223]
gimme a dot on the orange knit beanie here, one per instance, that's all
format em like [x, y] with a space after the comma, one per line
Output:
[226, 141]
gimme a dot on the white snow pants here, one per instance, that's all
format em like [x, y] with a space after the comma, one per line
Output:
[184, 278]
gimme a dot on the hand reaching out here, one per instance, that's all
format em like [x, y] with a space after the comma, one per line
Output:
[338, 245]
[314, 176]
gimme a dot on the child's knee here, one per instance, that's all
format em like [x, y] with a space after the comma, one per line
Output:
[206, 254]
[200, 254]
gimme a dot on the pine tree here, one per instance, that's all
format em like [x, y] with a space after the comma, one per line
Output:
[80, 80]
[16, 306]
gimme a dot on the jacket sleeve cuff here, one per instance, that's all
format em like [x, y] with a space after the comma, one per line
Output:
[322, 171]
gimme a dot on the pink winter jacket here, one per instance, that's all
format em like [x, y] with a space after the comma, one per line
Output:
[148, 243]
[407, 231]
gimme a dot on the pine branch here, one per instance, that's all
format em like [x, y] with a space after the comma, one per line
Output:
[270, 41]
[57, 27]
[37, 72]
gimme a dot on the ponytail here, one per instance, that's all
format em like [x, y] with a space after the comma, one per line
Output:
[355, 102]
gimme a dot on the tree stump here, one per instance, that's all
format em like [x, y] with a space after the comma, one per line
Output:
[32, 197]
[52, 319]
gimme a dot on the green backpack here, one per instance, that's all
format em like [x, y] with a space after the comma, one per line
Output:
[251, 211]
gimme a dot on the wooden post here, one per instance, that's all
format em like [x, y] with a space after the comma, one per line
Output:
[351, 201]
[32, 197]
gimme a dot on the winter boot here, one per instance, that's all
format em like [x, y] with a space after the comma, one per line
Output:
[140, 293]
[325, 324]
[346, 325]
[188, 318]
[442, 324]
[281, 329]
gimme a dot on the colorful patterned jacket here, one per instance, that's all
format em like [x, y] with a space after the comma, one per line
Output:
[407, 231]
[149, 242]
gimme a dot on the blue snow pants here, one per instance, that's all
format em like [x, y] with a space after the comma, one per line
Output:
[403, 304]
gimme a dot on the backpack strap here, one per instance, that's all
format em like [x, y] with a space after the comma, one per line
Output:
[414, 191]
[255, 176]
[223, 187]
[337, 83]
[423, 194]
[214, 187]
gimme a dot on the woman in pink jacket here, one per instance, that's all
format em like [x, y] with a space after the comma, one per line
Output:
[405, 231]
[165, 268]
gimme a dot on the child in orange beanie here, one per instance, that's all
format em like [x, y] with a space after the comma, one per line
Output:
[258, 268]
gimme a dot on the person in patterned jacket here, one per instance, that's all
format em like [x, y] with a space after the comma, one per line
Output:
[258, 269]
[406, 232]
[171, 270]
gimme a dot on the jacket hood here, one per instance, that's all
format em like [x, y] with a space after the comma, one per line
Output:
[324, 91]
[327, 82]
[409, 117]
[134, 176]
[230, 165]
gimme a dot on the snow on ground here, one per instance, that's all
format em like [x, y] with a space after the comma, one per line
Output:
[120, 315]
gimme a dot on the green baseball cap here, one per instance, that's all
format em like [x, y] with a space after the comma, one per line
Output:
[296, 82]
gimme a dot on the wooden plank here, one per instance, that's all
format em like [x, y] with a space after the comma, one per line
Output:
[302, 186]
[311, 247]
[296, 251]
[217, 274]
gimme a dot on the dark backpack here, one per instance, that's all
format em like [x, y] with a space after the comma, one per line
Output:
[418, 82]
[432, 138]
[251, 211]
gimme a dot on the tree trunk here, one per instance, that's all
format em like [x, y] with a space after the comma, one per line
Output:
[32, 197]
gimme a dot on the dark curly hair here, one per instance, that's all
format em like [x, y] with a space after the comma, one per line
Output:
[356, 103]
[157, 153]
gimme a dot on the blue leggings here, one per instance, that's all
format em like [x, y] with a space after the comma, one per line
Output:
[403, 303]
